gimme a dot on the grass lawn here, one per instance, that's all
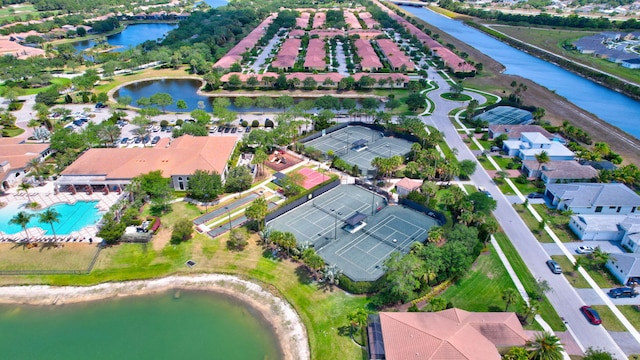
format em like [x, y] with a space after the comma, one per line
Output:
[546, 310]
[455, 97]
[631, 314]
[502, 161]
[12, 132]
[70, 257]
[504, 187]
[486, 281]
[527, 187]
[470, 188]
[609, 321]
[533, 224]
[573, 276]
[485, 163]
[559, 223]
[323, 312]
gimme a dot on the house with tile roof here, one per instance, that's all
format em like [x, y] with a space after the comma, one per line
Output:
[368, 58]
[115, 167]
[531, 144]
[406, 185]
[448, 334]
[559, 171]
[593, 198]
[15, 155]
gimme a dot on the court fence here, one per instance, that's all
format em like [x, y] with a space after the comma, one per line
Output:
[297, 202]
[438, 216]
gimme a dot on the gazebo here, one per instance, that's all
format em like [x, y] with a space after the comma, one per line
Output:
[355, 222]
[359, 145]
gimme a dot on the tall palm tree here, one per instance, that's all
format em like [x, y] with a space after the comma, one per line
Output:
[22, 219]
[545, 346]
[509, 296]
[542, 158]
[25, 187]
[50, 216]
[109, 133]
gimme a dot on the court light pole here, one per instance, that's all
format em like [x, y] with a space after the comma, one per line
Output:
[348, 134]
[389, 147]
[229, 213]
[335, 224]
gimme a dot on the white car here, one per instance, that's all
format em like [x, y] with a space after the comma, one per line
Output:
[585, 250]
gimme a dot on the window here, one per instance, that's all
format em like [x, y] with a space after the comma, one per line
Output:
[598, 209]
[179, 178]
[619, 207]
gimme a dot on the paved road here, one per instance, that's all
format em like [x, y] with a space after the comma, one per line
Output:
[266, 52]
[563, 296]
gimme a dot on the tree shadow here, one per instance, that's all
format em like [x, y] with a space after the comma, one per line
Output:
[344, 330]
[304, 277]
[493, 308]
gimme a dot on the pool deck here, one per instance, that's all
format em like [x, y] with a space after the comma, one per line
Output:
[46, 196]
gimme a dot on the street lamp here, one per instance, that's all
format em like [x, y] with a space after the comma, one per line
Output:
[206, 204]
[335, 224]
[229, 213]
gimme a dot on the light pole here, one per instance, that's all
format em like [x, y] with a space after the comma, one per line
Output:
[229, 213]
[348, 133]
[335, 224]
[389, 147]
[206, 204]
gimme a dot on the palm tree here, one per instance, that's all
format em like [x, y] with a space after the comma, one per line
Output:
[109, 133]
[509, 296]
[542, 158]
[22, 219]
[35, 166]
[25, 187]
[50, 216]
[545, 346]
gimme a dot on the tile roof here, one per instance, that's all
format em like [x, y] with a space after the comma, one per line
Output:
[563, 169]
[319, 20]
[183, 156]
[235, 54]
[303, 20]
[326, 33]
[365, 34]
[514, 131]
[594, 194]
[394, 55]
[449, 334]
[315, 55]
[18, 154]
[409, 184]
[351, 20]
[368, 19]
[368, 57]
[288, 54]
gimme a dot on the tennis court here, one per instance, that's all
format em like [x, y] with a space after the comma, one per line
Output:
[377, 145]
[505, 115]
[323, 222]
[311, 178]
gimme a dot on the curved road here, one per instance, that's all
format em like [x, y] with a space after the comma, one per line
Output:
[563, 296]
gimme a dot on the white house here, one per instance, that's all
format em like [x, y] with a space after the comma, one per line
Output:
[605, 227]
[531, 144]
[625, 267]
[592, 198]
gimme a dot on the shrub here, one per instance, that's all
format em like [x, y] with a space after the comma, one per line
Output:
[244, 123]
[255, 123]
[268, 123]
[181, 231]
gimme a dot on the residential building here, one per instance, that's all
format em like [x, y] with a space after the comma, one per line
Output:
[368, 58]
[351, 20]
[368, 20]
[303, 20]
[15, 155]
[531, 144]
[288, 54]
[514, 132]
[365, 33]
[316, 54]
[235, 54]
[447, 334]
[593, 198]
[559, 171]
[625, 268]
[114, 168]
[598, 227]
[396, 57]
[319, 20]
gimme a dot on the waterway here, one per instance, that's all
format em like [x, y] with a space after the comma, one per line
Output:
[198, 325]
[131, 37]
[610, 106]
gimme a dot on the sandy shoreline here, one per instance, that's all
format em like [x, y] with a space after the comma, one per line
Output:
[280, 314]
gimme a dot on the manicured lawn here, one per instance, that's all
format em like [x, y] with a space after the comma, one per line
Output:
[69, 257]
[533, 224]
[547, 311]
[481, 289]
[12, 132]
[455, 97]
[609, 321]
[573, 276]
[559, 223]
[485, 163]
[631, 314]
[502, 161]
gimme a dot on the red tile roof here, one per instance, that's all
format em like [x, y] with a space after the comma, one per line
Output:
[369, 58]
[296, 33]
[319, 20]
[449, 334]
[326, 33]
[235, 54]
[368, 20]
[351, 20]
[455, 62]
[288, 54]
[319, 78]
[315, 55]
[365, 34]
[409, 184]
[394, 55]
[303, 20]
[183, 156]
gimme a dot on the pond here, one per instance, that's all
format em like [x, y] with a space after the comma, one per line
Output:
[198, 325]
[131, 36]
[183, 89]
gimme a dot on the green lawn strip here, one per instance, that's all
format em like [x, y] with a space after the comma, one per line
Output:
[12, 132]
[470, 188]
[481, 288]
[473, 146]
[490, 98]
[558, 222]
[502, 161]
[486, 164]
[546, 310]
[601, 275]
[573, 276]
[34, 91]
[455, 97]
[609, 320]
[527, 187]
[533, 224]
[504, 187]
[631, 314]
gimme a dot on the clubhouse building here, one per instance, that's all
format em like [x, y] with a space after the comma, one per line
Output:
[111, 169]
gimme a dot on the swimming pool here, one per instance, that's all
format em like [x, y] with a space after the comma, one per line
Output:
[72, 217]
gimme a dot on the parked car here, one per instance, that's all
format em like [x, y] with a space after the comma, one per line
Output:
[486, 192]
[155, 140]
[247, 129]
[591, 315]
[585, 250]
[213, 129]
[535, 195]
[220, 129]
[100, 105]
[554, 267]
[233, 130]
[124, 141]
[226, 130]
[622, 292]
